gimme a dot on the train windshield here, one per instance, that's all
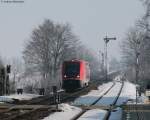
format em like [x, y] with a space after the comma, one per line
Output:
[72, 69]
[148, 87]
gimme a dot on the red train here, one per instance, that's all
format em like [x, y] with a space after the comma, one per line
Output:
[75, 74]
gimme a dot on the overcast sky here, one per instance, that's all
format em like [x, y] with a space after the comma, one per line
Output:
[91, 21]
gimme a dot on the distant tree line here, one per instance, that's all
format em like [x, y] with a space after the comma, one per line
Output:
[137, 42]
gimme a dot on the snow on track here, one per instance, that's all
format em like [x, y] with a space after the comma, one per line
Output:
[93, 95]
[128, 92]
[110, 97]
[117, 115]
[70, 111]
[95, 114]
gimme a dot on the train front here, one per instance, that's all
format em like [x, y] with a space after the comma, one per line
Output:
[71, 75]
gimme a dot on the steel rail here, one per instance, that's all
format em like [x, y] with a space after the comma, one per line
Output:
[83, 111]
[114, 103]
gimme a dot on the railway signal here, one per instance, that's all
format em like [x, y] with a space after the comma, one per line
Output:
[106, 40]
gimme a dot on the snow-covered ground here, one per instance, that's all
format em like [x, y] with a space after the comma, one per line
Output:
[67, 113]
[23, 96]
[11, 98]
[95, 114]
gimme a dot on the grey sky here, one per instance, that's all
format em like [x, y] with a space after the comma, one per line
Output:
[91, 21]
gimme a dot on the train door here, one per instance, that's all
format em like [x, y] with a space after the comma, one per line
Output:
[87, 73]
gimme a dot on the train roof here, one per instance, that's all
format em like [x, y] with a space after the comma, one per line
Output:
[76, 60]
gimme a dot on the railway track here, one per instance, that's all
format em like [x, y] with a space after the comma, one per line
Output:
[30, 111]
[38, 107]
[109, 108]
[114, 103]
[21, 112]
[64, 97]
[83, 111]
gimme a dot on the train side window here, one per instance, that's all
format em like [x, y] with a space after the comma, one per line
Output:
[87, 71]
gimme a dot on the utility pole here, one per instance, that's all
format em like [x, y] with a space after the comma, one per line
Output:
[137, 73]
[102, 62]
[106, 40]
[137, 67]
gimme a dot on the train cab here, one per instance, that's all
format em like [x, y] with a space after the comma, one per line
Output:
[75, 74]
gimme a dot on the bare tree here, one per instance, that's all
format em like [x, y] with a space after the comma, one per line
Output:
[138, 40]
[130, 46]
[49, 45]
[133, 45]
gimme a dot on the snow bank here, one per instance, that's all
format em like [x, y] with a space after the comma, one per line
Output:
[95, 114]
[67, 113]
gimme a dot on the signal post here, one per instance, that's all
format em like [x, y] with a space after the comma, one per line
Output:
[106, 40]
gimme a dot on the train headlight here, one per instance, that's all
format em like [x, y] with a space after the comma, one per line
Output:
[65, 76]
[78, 76]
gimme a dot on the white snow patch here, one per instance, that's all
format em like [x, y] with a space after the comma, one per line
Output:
[67, 113]
[95, 114]
[24, 96]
